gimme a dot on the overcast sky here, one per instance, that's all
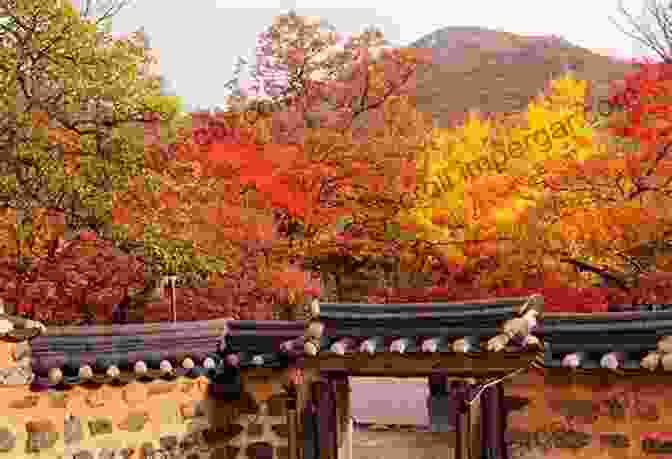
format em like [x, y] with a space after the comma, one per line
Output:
[198, 40]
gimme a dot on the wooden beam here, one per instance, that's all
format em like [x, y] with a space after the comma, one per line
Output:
[292, 423]
[422, 364]
[463, 434]
[475, 428]
[564, 376]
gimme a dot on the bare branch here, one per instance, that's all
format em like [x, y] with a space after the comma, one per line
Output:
[643, 34]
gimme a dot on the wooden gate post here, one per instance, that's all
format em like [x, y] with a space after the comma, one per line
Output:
[344, 413]
[326, 418]
[475, 417]
[462, 431]
[292, 423]
[467, 427]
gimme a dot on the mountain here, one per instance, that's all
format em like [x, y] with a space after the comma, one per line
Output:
[496, 71]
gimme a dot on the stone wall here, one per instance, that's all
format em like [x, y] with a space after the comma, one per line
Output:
[590, 417]
[15, 363]
[158, 420]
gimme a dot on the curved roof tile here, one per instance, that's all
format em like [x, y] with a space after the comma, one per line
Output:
[425, 327]
[121, 353]
[634, 340]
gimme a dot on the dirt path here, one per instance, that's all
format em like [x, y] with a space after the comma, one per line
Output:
[402, 445]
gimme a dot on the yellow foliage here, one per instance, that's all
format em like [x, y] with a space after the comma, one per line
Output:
[485, 173]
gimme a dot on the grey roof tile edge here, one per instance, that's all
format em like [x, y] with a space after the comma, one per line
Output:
[517, 304]
[265, 343]
[611, 319]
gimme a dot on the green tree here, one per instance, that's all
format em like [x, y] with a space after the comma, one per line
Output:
[74, 103]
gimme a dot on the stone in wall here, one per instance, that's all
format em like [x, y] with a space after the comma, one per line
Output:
[29, 401]
[582, 410]
[21, 351]
[515, 403]
[100, 426]
[651, 446]
[161, 387]
[18, 375]
[170, 447]
[95, 398]
[42, 434]
[571, 439]
[168, 442]
[72, 430]
[247, 404]
[147, 451]
[135, 421]
[84, 454]
[216, 435]
[193, 409]
[187, 386]
[193, 440]
[7, 440]
[523, 442]
[58, 399]
[646, 411]
[277, 405]
[168, 412]
[614, 440]
[281, 430]
[134, 393]
[255, 430]
[615, 409]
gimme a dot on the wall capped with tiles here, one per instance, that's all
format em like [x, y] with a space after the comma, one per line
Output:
[590, 417]
[160, 419]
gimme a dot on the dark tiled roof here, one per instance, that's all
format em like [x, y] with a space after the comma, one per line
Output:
[264, 343]
[121, 353]
[434, 327]
[617, 340]
[105, 354]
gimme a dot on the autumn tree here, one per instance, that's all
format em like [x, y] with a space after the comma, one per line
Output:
[625, 191]
[605, 213]
[480, 190]
[225, 229]
[343, 108]
[73, 105]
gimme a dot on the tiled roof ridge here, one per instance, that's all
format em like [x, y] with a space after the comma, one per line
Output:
[519, 320]
[262, 343]
[328, 309]
[607, 315]
[135, 329]
[619, 341]
[109, 353]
